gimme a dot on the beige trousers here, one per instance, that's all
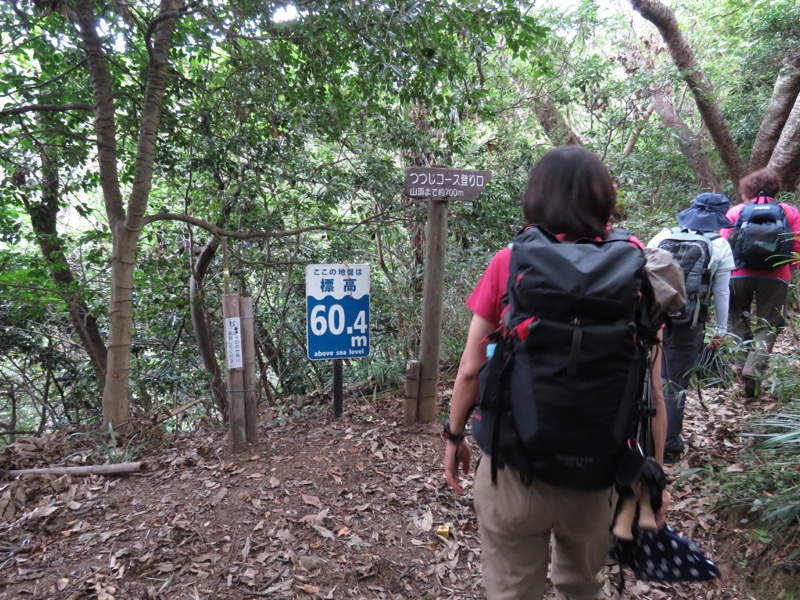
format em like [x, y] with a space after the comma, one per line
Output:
[516, 525]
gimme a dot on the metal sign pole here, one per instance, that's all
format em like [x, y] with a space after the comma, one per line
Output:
[337, 388]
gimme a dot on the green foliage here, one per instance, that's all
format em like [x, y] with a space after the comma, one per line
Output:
[771, 490]
[305, 124]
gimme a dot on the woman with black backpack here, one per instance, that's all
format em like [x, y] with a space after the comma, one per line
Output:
[765, 241]
[521, 507]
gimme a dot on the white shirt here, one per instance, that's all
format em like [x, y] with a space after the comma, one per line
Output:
[721, 264]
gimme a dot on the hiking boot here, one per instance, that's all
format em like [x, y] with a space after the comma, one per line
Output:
[672, 456]
[751, 387]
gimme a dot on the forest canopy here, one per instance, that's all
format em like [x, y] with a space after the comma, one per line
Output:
[136, 137]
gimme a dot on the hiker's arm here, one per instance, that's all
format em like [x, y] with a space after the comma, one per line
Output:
[465, 394]
[659, 423]
[795, 225]
[720, 290]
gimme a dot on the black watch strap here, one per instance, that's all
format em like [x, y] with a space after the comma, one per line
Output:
[456, 438]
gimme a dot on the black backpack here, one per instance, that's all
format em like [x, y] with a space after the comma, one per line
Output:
[762, 238]
[558, 396]
[692, 251]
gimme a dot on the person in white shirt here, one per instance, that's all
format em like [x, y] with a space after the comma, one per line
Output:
[683, 342]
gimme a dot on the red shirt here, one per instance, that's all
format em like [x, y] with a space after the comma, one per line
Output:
[784, 272]
[486, 300]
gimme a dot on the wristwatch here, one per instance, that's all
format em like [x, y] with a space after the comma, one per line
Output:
[456, 438]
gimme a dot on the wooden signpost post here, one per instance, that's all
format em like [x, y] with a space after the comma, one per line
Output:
[240, 357]
[438, 185]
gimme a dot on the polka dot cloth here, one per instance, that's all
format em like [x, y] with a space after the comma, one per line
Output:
[664, 556]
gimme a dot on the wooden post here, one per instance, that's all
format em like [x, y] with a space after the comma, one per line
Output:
[411, 391]
[436, 239]
[437, 185]
[236, 418]
[249, 370]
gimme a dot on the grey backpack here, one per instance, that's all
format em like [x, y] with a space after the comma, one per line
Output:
[692, 252]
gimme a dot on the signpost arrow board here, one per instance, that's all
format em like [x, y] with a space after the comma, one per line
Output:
[439, 183]
[337, 311]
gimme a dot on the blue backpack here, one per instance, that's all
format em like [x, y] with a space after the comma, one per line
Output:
[762, 238]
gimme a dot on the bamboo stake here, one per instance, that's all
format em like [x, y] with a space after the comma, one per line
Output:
[113, 469]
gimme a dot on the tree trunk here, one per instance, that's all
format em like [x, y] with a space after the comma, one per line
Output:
[664, 19]
[637, 130]
[784, 95]
[44, 222]
[203, 328]
[124, 227]
[687, 140]
[554, 125]
[786, 157]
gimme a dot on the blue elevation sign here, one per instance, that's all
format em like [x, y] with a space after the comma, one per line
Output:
[337, 311]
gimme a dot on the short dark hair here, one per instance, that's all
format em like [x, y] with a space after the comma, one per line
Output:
[764, 182]
[570, 192]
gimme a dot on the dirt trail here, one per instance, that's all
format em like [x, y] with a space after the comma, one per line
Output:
[350, 508]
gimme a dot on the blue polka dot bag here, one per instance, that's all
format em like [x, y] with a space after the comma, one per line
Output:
[664, 556]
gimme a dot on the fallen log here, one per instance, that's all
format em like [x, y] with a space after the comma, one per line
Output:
[114, 469]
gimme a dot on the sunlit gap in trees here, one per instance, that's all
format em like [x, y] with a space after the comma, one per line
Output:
[285, 13]
[104, 27]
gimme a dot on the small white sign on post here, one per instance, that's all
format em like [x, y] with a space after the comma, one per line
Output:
[233, 342]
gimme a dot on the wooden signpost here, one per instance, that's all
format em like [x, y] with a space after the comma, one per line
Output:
[240, 356]
[438, 185]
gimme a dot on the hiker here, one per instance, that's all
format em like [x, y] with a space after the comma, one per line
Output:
[570, 194]
[707, 261]
[760, 280]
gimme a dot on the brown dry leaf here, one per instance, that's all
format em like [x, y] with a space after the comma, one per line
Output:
[311, 589]
[219, 496]
[42, 512]
[326, 533]
[211, 557]
[312, 500]
[311, 563]
[246, 549]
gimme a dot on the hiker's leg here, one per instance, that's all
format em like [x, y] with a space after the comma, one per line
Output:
[515, 524]
[682, 346]
[580, 543]
[770, 305]
[741, 303]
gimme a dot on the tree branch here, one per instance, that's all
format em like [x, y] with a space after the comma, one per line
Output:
[241, 235]
[19, 110]
[172, 14]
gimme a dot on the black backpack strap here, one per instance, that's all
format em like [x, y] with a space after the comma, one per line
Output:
[498, 393]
